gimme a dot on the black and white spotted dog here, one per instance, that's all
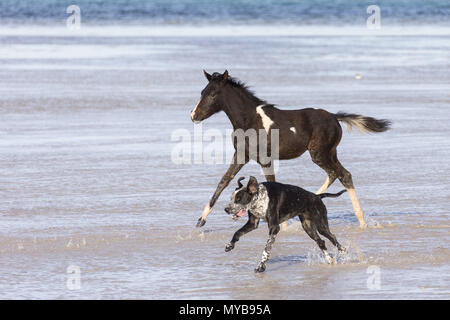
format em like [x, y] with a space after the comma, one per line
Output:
[275, 203]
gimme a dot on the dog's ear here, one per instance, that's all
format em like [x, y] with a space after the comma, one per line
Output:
[239, 182]
[252, 185]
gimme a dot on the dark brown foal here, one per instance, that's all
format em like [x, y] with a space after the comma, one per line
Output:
[315, 130]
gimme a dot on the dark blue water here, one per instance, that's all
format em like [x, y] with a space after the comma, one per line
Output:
[348, 12]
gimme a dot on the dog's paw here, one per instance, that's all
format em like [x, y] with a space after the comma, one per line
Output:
[229, 247]
[260, 268]
[342, 250]
[330, 260]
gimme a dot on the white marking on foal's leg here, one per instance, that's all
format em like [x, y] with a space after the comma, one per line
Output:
[206, 211]
[357, 208]
[267, 122]
[293, 129]
[324, 187]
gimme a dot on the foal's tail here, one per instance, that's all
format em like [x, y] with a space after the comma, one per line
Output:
[331, 195]
[364, 124]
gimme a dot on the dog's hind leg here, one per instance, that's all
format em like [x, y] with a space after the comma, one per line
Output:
[273, 231]
[325, 231]
[251, 224]
[311, 230]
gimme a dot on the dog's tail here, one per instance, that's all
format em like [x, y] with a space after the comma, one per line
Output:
[363, 123]
[331, 195]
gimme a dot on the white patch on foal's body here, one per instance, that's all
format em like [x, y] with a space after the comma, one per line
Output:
[293, 129]
[266, 121]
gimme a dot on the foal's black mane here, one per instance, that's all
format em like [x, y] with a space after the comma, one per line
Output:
[244, 90]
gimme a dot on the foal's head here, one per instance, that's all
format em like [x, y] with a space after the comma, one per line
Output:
[211, 100]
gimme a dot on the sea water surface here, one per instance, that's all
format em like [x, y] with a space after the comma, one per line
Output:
[88, 178]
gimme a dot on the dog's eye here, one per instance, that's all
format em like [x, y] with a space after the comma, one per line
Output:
[238, 198]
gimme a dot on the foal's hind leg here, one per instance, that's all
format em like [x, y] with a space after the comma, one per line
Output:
[324, 160]
[325, 185]
[328, 161]
[346, 179]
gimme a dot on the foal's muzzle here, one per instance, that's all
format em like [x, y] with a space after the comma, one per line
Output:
[193, 117]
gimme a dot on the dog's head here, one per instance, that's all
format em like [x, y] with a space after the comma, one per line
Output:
[242, 197]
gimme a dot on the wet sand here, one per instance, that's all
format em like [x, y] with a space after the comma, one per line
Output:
[86, 176]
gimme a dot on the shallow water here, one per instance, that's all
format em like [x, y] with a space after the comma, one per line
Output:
[87, 178]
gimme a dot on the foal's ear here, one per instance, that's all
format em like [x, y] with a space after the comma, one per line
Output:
[252, 185]
[225, 75]
[207, 75]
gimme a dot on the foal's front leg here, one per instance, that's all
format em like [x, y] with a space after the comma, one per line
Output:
[251, 224]
[269, 173]
[273, 231]
[228, 176]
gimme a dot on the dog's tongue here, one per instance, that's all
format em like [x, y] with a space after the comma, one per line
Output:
[241, 213]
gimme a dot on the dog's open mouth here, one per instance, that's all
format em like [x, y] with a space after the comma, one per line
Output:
[241, 213]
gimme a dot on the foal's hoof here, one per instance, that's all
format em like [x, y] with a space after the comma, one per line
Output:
[201, 222]
[260, 268]
[229, 247]
[363, 225]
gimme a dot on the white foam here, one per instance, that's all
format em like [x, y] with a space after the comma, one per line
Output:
[68, 51]
[219, 31]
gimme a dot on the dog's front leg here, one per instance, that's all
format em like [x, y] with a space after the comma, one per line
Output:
[251, 224]
[273, 231]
